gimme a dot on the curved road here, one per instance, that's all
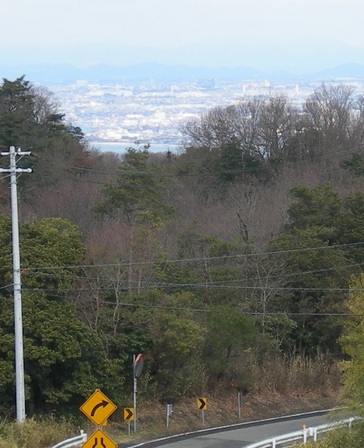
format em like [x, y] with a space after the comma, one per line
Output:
[240, 435]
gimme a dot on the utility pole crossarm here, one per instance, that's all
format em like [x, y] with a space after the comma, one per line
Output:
[13, 152]
[18, 170]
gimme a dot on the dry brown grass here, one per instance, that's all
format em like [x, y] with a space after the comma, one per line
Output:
[35, 433]
[292, 375]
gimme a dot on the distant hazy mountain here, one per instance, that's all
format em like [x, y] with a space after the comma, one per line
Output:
[242, 60]
[137, 72]
[66, 73]
[342, 71]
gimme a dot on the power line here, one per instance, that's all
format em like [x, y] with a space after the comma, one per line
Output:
[206, 310]
[155, 285]
[285, 276]
[197, 259]
[7, 286]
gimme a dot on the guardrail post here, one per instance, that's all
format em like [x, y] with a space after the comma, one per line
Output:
[304, 433]
[274, 444]
[350, 424]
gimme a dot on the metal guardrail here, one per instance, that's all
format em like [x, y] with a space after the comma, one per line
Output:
[73, 442]
[241, 425]
[303, 436]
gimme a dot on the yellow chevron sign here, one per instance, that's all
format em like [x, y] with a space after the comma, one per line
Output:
[201, 404]
[128, 414]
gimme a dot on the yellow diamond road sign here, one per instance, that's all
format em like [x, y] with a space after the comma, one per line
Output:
[98, 407]
[99, 439]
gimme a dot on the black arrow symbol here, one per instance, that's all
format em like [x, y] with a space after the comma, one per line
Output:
[130, 414]
[103, 404]
[202, 403]
[97, 443]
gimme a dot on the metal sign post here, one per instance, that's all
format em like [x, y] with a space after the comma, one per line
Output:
[201, 404]
[138, 364]
[128, 416]
[239, 405]
[135, 387]
[169, 410]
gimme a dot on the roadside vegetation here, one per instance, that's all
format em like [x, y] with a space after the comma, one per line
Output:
[341, 438]
[35, 433]
[234, 265]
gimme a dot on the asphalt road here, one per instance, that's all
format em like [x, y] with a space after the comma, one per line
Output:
[238, 436]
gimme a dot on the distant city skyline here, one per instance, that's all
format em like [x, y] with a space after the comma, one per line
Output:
[111, 115]
[298, 35]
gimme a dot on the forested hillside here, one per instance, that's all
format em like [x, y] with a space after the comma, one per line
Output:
[227, 264]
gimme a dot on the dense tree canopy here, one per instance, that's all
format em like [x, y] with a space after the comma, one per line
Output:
[58, 347]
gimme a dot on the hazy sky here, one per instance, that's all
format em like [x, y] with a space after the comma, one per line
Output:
[54, 31]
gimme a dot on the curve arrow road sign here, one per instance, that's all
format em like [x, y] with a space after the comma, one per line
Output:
[98, 407]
